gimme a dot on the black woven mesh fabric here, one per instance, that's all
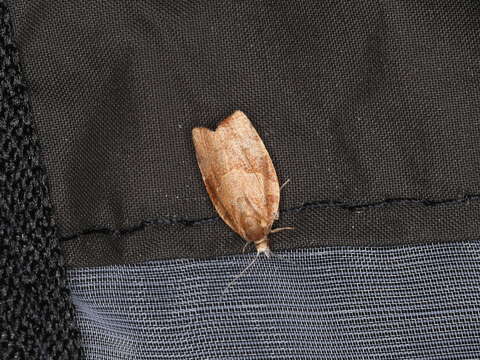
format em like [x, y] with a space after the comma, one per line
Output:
[36, 313]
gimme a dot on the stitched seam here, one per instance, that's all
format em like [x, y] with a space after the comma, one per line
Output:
[355, 206]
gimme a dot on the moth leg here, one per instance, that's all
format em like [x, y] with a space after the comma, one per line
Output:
[281, 229]
[277, 215]
[285, 183]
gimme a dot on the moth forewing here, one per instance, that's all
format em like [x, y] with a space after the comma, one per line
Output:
[239, 177]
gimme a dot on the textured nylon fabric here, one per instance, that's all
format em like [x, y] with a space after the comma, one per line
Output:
[359, 102]
[417, 302]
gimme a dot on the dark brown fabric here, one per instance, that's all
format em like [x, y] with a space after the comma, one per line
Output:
[371, 108]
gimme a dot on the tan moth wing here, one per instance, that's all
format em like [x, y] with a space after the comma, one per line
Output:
[239, 176]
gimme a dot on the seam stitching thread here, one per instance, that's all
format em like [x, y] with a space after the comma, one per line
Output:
[355, 206]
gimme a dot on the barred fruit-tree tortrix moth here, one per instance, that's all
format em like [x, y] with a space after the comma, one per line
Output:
[240, 178]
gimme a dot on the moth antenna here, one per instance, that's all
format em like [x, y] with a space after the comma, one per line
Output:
[270, 254]
[246, 246]
[283, 258]
[240, 274]
[285, 183]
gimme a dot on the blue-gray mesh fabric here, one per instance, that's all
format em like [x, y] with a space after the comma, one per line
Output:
[419, 302]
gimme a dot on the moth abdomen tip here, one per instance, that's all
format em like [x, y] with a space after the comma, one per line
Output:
[268, 253]
[263, 247]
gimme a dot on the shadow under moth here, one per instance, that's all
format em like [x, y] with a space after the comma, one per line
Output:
[240, 178]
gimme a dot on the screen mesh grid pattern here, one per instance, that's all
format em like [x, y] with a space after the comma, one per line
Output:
[416, 302]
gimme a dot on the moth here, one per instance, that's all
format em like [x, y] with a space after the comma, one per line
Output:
[240, 178]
